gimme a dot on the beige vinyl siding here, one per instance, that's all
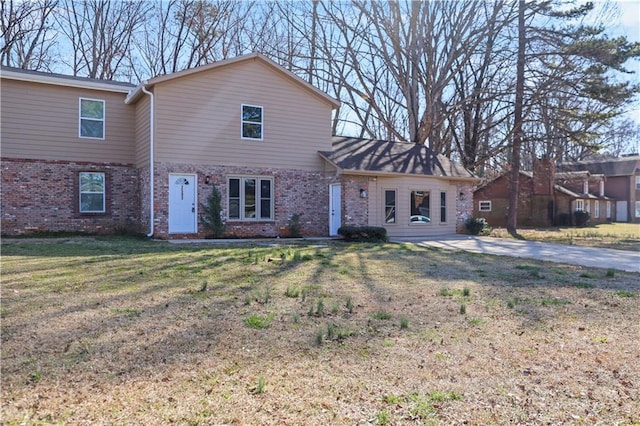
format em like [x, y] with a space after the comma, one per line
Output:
[143, 133]
[40, 121]
[404, 186]
[198, 119]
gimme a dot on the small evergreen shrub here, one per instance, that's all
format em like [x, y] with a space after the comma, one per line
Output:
[581, 218]
[363, 233]
[211, 218]
[476, 225]
[294, 229]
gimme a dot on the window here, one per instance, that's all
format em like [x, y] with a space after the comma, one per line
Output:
[608, 207]
[585, 187]
[588, 205]
[420, 209]
[637, 208]
[580, 205]
[92, 192]
[596, 208]
[91, 119]
[484, 206]
[638, 183]
[250, 198]
[390, 206]
[443, 207]
[251, 122]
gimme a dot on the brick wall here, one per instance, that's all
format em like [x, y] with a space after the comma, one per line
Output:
[464, 205]
[355, 208]
[40, 196]
[295, 191]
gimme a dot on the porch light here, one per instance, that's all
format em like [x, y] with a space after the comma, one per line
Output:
[363, 193]
[207, 180]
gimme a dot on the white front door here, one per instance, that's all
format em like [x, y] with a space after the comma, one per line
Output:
[182, 204]
[335, 208]
[621, 211]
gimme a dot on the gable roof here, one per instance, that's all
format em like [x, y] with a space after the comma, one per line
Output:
[64, 80]
[624, 166]
[379, 157]
[133, 97]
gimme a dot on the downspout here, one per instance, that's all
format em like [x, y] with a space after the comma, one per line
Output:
[151, 160]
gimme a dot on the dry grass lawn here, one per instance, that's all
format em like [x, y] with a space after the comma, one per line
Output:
[125, 331]
[618, 236]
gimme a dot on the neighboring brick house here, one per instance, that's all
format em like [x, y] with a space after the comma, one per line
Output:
[85, 155]
[546, 198]
[622, 183]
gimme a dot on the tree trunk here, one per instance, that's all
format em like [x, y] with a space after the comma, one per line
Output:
[512, 217]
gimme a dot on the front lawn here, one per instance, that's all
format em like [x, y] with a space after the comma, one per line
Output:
[619, 236]
[125, 331]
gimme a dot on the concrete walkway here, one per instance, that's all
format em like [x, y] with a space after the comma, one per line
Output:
[560, 253]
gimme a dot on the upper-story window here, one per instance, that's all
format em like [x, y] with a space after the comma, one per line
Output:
[252, 122]
[91, 118]
[638, 183]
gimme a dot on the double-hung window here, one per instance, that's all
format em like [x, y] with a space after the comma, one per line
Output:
[580, 205]
[252, 122]
[250, 198]
[596, 208]
[443, 207]
[91, 118]
[92, 192]
[390, 206]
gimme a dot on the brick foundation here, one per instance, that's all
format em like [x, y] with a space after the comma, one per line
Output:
[42, 196]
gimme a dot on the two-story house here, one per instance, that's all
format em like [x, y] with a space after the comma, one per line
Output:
[622, 182]
[85, 155]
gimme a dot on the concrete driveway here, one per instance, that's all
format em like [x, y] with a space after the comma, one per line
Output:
[560, 253]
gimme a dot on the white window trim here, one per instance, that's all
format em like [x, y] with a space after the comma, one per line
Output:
[596, 209]
[608, 207]
[384, 206]
[258, 200]
[104, 118]
[579, 205]
[430, 217]
[251, 122]
[480, 203]
[103, 192]
[637, 208]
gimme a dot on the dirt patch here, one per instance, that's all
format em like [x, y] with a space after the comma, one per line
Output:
[126, 331]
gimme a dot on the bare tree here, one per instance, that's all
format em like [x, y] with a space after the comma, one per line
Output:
[100, 33]
[26, 34]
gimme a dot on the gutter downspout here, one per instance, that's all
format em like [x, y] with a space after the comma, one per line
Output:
[151, 160]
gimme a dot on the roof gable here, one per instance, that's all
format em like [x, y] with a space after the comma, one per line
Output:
[367, 156]
[134, 96]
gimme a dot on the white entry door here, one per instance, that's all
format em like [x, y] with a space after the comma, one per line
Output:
[182, 204]
[335, 208]
[621, 211]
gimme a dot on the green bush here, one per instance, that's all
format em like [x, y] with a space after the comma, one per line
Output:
[581, 218]
[476, 225]
[211, 218]
[363, 233]
[293, 226]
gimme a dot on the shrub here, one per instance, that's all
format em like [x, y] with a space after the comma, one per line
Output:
[294, 229]
[476, 225]
[581, 218]
[363, 233]
[211, 218]
[564, 219]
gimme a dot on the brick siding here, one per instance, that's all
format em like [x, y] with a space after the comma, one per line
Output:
[39, 196]
[295, 191]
